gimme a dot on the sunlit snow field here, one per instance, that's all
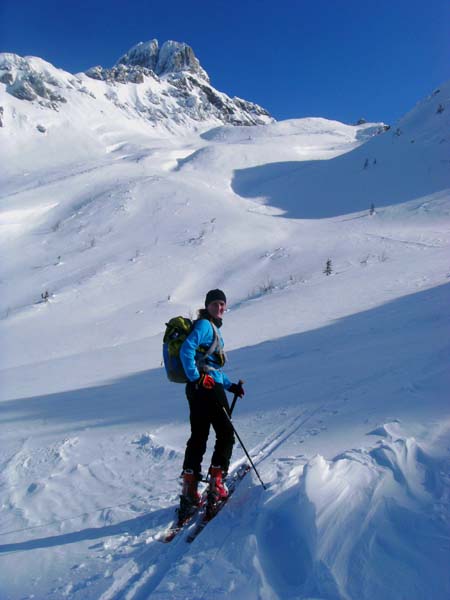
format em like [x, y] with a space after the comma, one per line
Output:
[346, 410]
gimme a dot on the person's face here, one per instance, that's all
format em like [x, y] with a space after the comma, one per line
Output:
[216, 308]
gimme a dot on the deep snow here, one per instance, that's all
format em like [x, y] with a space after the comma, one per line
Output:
[346, 411]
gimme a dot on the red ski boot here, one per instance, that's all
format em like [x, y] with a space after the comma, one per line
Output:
[217, 487]
[190, 497]
[190, 485]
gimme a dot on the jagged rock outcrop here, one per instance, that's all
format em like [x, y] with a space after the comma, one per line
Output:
[120, 74]
[27, 82]
[172, 57]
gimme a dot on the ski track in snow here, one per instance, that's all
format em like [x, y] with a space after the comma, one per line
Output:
[139, 583]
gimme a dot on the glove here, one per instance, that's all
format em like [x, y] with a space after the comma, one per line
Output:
[205, 381]
[237, 389]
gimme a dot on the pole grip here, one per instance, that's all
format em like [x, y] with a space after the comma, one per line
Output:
[240, 382]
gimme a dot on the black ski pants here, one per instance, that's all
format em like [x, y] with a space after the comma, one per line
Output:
[206, 409]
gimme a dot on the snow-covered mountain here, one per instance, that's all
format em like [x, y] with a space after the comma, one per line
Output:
[163, 86]
[110, 224]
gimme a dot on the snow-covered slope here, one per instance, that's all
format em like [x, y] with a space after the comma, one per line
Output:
[407, 162]
[346, 412]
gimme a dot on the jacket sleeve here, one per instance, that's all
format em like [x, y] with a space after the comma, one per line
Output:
[226, 381]
[196, 338]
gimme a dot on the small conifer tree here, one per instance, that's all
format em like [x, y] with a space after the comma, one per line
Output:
[328, 268]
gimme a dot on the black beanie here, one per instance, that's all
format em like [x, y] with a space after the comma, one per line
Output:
[215, 295]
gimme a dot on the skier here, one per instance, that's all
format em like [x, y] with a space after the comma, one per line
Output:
[205, 392]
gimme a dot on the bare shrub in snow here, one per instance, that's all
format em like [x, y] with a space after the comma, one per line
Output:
[267, 287]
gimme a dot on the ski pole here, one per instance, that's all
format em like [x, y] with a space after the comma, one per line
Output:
[244, 448]
[241, 383]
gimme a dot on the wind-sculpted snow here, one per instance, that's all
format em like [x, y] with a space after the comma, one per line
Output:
[366, 524]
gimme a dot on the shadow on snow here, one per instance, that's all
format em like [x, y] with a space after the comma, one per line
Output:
[348, 183]
[395, 349]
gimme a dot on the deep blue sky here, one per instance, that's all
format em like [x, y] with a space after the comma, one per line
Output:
[340, 59]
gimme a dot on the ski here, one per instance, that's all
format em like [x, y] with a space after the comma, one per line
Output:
[179, 524]
[174, 529]
[211, 509]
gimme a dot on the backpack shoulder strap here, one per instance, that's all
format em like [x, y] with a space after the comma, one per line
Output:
[215, 343]
[201, 360]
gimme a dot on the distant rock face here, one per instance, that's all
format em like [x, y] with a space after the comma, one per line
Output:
[144, 54]
[172, 57]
